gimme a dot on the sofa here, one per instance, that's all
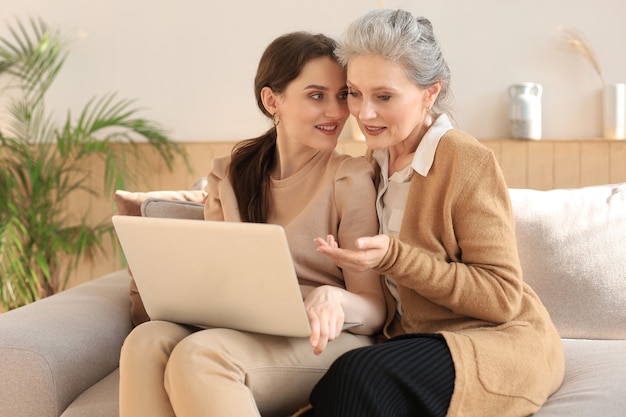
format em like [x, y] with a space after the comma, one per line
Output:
[59, 356]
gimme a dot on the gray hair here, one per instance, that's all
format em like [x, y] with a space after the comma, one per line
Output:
[397, 36]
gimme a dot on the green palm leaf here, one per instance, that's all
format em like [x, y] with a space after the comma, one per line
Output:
[43, 165]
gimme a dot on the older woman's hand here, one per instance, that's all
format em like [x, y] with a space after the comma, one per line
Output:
[368, 253]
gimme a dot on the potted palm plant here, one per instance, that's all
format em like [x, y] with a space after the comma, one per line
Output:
[44, 163]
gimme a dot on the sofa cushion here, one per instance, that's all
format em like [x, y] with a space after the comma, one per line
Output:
[100, 400]
[172, 209]
[595, 377]
[571, 246]
[129, 203]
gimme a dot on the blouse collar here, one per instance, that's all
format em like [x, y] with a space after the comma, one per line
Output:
[425, 152]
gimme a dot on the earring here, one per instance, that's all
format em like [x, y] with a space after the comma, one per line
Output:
[276, 119]
[428, 119]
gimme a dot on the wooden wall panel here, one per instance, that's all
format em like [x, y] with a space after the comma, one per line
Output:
[617, 162]
[594, 163]
[542, 165]
[567, 173]
[352, 147]
[513, 161]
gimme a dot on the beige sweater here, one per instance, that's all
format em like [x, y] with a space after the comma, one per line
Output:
[458, 272]
[333, 194]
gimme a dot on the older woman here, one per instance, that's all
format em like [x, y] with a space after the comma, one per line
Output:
[466, 335]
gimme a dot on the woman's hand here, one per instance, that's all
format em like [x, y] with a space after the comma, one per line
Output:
[368, 254]
[326, 315]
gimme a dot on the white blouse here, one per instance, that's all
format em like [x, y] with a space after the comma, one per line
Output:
[393, 190]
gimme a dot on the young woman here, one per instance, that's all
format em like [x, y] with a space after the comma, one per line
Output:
[466, 335]
[290, 176]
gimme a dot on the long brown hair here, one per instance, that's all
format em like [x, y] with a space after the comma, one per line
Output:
[253, 159]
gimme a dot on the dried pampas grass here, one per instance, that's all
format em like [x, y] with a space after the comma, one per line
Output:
[575, 39]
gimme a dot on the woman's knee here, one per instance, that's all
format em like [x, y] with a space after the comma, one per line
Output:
[153, 337]
[203, 352]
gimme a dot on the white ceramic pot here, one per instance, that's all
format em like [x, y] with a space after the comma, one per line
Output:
[614, 111]
[525, 110]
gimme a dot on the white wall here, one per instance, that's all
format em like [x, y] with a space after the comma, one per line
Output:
[191, 63]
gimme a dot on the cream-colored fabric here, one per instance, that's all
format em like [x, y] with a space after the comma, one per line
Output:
[425, 154]
[218, 372]
[99, 400]
[594, 383]
[392, 195]
[572, 248]
[129, 203]
[143, 359]
[458, 273]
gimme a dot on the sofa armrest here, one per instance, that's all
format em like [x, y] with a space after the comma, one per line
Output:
[54, 349]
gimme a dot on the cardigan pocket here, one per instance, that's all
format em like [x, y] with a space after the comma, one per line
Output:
[511, 360]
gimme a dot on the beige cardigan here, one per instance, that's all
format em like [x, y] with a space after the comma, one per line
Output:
[458, 273]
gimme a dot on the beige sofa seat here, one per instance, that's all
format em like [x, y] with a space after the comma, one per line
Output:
[595, 380]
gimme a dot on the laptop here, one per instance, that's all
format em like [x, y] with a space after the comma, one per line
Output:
[215, 274]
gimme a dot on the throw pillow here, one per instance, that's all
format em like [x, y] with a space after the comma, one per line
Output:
[129, 203]
[159, 207]
[570, 244]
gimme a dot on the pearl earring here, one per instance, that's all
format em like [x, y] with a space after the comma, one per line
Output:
[428, 120]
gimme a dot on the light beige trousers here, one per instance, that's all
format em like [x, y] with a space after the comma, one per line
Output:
[170, 370]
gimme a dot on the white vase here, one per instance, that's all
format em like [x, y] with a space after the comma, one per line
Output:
[614, 111]
[525, 110]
